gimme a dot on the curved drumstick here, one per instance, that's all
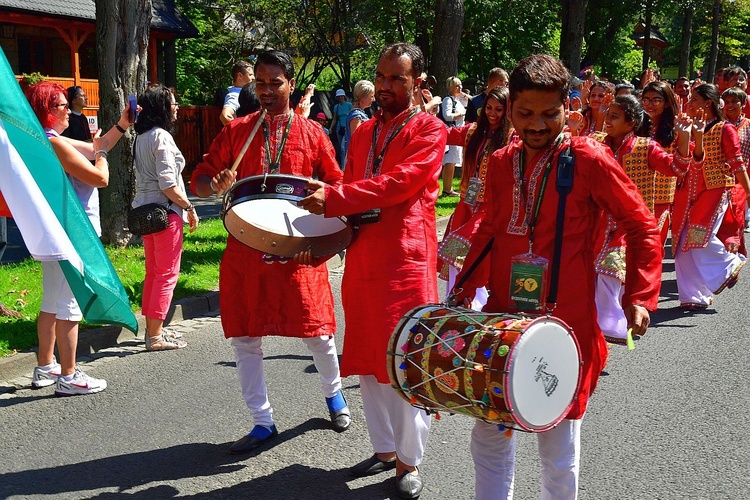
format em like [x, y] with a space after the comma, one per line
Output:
[246, 145]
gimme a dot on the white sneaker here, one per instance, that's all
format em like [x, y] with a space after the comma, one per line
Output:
[46, 375]
[79, 384]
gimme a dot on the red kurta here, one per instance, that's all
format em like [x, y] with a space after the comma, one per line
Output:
[610, 260]
[599, 184]
[696, 206]
[390, 265]
[258, 298]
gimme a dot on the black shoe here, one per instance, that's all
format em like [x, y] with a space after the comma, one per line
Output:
[250, 442]
[372, 466]
[341, 420]
[409, 485]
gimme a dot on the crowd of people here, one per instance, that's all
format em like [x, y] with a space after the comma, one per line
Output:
[641, 164]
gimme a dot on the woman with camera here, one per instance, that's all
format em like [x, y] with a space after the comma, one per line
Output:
[158, 176]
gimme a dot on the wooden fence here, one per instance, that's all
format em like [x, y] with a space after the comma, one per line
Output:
[197, 126]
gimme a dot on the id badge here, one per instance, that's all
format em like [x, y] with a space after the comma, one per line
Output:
[472, 191]
[370, 216]
[528, 281]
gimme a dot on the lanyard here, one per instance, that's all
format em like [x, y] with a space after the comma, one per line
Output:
[274, 167]
[482, 154]
[535, 213]
[388, 139]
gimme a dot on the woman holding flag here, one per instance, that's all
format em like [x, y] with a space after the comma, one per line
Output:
[60, 314]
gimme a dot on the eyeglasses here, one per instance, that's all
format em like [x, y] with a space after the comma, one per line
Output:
[655, 100]
[66, 106]
[176, 104]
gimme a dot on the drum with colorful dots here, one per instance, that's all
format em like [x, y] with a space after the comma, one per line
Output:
[519, 371]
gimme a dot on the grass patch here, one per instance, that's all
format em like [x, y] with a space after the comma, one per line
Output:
[22, 282]
[199, 274]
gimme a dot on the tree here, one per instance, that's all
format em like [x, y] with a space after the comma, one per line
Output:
[713, 57]
[687, 32]
[449, 23]
[571, 36]
[122, 31]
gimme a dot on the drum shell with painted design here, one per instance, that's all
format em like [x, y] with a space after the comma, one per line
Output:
[519, 371]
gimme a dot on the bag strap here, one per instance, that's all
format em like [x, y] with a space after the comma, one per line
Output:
[565, 169]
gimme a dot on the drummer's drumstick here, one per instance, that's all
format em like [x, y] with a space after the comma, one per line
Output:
[246, 145]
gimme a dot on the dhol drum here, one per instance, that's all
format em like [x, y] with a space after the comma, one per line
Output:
[518, 371]
[261, 211]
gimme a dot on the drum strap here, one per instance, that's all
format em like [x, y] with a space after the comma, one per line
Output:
[565, 169]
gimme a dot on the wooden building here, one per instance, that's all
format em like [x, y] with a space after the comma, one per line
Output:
[57, 38]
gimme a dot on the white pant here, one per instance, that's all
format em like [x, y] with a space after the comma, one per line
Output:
[701, 271]
[248, 353]
[494, 457]
[610, 316]
[480, 295]
[393, 424]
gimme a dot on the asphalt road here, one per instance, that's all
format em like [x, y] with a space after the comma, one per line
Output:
[669, 421]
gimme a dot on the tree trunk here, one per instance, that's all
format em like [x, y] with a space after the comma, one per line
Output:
[647, 36]
[449, 24]
[122, 31]
[687, 32]
[571, 35]
[714, 56]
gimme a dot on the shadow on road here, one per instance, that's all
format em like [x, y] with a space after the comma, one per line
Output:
[193, 460]
[123, 471]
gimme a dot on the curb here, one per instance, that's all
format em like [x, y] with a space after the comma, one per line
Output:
[96, 339]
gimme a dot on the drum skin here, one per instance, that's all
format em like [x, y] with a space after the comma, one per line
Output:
[519, 371]
[261, 212]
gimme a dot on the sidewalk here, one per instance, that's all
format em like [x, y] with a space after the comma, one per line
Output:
[15, 371]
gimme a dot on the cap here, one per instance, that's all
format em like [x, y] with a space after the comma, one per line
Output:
[340, 93]
[321, 116]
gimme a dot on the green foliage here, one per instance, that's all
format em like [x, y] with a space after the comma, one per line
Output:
[33, 78]
[500, 33]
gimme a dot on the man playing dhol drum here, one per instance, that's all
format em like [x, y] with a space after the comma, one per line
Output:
[391, 178]
[261, 294]
[522, 204]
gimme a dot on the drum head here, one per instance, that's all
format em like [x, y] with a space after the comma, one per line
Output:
[280, 227]
[544, 374]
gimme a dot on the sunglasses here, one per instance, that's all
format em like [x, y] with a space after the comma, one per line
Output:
[66, 106]
[655, 100]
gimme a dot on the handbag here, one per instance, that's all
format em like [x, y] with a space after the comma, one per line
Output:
[147, 219]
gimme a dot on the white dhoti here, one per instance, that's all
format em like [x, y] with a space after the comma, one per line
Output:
[608, 299]
[248, 353]
[494, 461]
[393, 424]
[702, 271]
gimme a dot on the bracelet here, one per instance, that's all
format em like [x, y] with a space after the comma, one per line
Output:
[119, 128]
[189, 208]
[102, 152]
[211, 185]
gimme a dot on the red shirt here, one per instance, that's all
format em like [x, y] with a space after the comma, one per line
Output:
[259, 298]
[390, 265]
[599, 183]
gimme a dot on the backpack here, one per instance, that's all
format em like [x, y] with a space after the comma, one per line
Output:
[442, 117]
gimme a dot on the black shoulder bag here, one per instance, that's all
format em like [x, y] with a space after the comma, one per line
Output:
[149, 218]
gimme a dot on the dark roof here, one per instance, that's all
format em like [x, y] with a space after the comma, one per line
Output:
[639, 33]
[165, 16]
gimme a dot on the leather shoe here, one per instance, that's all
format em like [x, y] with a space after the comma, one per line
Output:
[341, 420]
[409, 485]
[248, 443]
[372, 466]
